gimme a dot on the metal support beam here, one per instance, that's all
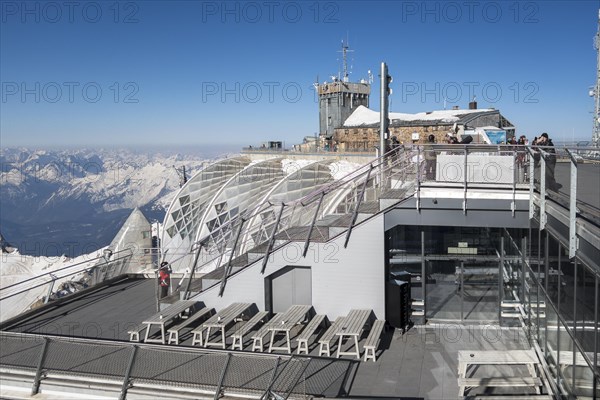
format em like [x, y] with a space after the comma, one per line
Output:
[531, 183]
[222, 378]
[543, 191]
[513, 204]
[38, 373]
[423, 276]
[312, 224]
[306, 364]
[271, 240]
[418, 184]
[465, 177]
[50, 288]
[355, 214]
[500, 278]
[272, 381]
[383, 117]
[228, 267]
[126, 379]
[573, 240]
[186, 294]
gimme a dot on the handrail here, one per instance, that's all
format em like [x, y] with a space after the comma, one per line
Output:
[56, 278]
[53, 272]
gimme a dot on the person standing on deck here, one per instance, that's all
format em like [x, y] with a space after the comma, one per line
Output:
[165, 278]
[551, 183]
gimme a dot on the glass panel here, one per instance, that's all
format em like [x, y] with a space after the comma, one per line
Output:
[567, 288]
[480, 291]
[552, 340]
[585, 308]
[584, 377]
[554, 273]
[565, 359]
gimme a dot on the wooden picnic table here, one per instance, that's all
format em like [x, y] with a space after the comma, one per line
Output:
[291, 318]
[164, 317]
[467, 358]
[222, 320]
[352, 327]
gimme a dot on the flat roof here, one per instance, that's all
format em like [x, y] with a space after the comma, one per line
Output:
[422, 363]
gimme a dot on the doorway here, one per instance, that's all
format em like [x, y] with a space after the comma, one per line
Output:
[462, 289]
[287, 287]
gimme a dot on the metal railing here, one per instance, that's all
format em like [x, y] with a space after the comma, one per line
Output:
[64, 281]
[122, 368]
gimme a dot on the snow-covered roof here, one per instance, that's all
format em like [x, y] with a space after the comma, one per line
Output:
[364, 116]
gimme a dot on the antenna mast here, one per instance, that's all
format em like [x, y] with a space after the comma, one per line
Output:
[345, 51]
[596, 130]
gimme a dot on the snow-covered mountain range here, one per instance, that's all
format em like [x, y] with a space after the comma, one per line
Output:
[73, 201]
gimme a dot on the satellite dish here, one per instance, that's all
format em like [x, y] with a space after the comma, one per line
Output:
[592, 93]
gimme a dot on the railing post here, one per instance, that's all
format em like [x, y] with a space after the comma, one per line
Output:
[531, 183]
[314, 221]
[186, 294]
[573, 240]
[223, 374]
[127, 376]
[228, 267]
[466, 176]
[47, 299]
[272, 240]
[272, 380]
[355, 214]
[38, 373]
[542, 191]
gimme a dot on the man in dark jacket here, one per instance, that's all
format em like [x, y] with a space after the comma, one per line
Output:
[543, 140]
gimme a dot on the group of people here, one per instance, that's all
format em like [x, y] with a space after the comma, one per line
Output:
[543, 141]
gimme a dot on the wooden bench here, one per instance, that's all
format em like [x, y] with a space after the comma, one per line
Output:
[257, 338]
[307, 333]
[468, 358]
[372, 341]
[134, 334]
[238, 336]
[174, 331]
[328, 336]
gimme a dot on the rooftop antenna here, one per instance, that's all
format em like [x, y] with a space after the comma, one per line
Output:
[345, 50]
[182, 175]
[370, 75]
[596, 91]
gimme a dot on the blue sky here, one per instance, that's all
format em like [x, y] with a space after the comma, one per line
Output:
[106, 73]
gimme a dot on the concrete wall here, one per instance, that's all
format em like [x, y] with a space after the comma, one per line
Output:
[342, 279]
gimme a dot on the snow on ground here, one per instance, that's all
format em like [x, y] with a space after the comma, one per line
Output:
[27, 278]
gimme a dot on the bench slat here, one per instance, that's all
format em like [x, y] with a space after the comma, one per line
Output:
[257, 338]
[174, 331]
[307, 332]
[372, 341]
[134, 334]
[238, 336]
[325, 340]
